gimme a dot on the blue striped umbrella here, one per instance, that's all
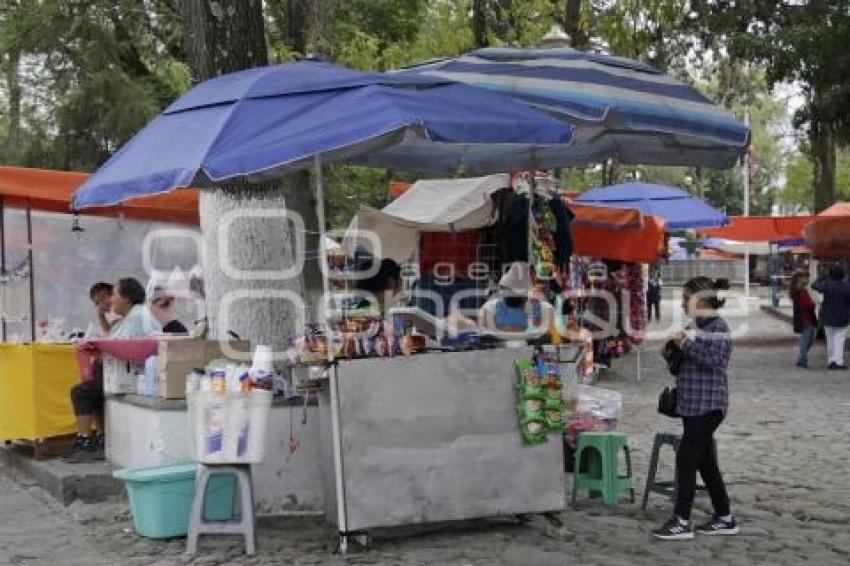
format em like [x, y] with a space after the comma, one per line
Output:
[620, 108]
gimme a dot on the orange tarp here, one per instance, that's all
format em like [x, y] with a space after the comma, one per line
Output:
[641, 244]
[398, 188]
[605, 216]
[828, 236]
[837, 209]
[761, 228]
[51, 191]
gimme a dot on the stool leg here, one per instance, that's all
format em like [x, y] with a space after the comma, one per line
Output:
[629, 472]
[653, 468]
[576, 468]
[247, 504]
[196, 519]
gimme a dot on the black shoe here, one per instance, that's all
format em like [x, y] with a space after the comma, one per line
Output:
[833, 365]
[674, 530]
[85, 450]
[99, 447]
[718, 527]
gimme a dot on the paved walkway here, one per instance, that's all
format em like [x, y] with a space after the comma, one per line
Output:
[783, 450]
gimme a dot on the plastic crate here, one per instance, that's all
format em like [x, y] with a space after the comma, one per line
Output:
[161, 498]
[229, 428]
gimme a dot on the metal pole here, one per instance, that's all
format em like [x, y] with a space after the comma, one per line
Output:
[3, 253]
[745, 180]
[32, 271]
[333, 377]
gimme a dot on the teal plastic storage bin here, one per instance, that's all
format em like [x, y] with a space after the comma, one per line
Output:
[161, 498]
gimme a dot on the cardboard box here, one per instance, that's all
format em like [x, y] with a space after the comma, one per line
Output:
[177, 358]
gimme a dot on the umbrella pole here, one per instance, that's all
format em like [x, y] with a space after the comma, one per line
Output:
[342, 520]
[32, 271]
[3, 253]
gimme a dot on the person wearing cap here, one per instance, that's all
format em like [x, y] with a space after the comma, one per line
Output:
[514, 309]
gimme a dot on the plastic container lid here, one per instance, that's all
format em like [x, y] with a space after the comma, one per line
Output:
[180, 471]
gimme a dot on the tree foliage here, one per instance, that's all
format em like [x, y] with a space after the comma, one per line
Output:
[80, 77]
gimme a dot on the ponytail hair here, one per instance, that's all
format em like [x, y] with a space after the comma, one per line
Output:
[708, 289]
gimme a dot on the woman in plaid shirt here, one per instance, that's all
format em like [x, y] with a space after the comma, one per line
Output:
[703, 398]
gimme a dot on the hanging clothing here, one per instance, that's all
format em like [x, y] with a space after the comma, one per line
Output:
[513, 226]
[636, 300]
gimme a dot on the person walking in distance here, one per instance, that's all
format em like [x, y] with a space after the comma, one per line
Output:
[834, 313]
[653, 295]
[805, 321]
[702, 401]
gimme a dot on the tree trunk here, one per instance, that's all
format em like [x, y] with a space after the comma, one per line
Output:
[572, 25]
[259, 310]
[223, 37]
[824, 153]
[479, 23]
[13, 86]
[297, 12]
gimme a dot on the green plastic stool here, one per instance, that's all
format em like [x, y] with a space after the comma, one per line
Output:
[600, 452]
[620, 483]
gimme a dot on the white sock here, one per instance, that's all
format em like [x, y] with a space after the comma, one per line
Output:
[683, 522]
[726, 518]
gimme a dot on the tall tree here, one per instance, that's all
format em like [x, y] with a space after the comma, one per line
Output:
[223, 37]
[479, 23]
[796, 42]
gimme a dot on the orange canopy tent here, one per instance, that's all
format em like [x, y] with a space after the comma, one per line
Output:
[761, 228]
[828, 235]
[621, 234]
[50, 191]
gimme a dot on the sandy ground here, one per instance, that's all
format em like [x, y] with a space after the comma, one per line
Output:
[783, 450]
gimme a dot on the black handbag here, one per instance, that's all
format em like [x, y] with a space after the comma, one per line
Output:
[667, 402]
[674, 356]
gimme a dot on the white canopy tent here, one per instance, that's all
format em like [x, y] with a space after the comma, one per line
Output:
[436, 205]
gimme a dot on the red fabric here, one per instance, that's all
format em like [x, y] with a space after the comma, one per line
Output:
[456, 248]
[829, 237]
[837, 209]
[761, 228]
[806, 306]
[51, 191]
[604, 216]
[136, 351]
[644, 244]
[398, 188]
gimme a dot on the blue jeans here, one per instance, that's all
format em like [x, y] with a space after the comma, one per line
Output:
[807, 338]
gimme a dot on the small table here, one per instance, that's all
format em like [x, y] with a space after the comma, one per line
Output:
[35, 387]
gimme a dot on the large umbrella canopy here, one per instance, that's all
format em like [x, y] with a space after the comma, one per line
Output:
[678, 209]
[620, 108]
[828, 235]
[263, 123]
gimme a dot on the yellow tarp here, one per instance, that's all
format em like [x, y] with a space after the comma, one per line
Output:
[35, 385]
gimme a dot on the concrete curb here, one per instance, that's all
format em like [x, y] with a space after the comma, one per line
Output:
[89, 483]
[775, 312]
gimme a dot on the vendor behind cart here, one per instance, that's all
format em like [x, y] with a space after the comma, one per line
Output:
[514, 309]
[127, 302]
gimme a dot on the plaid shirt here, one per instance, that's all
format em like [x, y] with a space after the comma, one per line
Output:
[702, 381]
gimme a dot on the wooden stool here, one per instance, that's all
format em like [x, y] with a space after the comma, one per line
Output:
[244, 525]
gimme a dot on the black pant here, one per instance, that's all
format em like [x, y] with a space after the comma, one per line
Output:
[653, 304]
[87, 396]
[696, 453]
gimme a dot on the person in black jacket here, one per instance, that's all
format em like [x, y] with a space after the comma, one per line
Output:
[834, 313]
[653, 296]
